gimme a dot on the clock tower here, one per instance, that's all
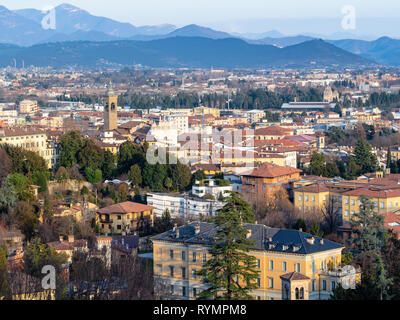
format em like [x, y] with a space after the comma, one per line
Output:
[110, 109]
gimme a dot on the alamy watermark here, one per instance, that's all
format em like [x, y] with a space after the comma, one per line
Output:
[349, 17]
[49, 280]
[49, 20]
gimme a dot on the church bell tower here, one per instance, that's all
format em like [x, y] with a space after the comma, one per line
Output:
[110, 109]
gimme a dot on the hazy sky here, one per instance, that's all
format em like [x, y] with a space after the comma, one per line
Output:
[229, 15]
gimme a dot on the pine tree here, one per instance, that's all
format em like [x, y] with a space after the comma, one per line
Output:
[231, 273]
[368, 225]
[364, 157]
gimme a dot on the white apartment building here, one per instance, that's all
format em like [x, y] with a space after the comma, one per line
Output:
[181, 205]
[210, 187]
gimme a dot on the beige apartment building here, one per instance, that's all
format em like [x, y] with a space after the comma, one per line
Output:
[28, 107]
[30, 139]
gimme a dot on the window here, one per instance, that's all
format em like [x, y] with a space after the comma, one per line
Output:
[302, 293]
[194, 257]
[346, 201]
[313, 286]
[204, 257]
[353, 202]
[382, 205]
[183, 291]
[183, 255]
[271, 283]
[390, 204]
[313, 198]
[258, 263]
[324, 285]
[159, 267]
[346, 213]
[306, 198]
[171, 254]
[333, 285]
[258, 282]
[353, 212]
[172, 289]
[119, 217]
[271, 264]
[300, 198]
[297, 267]
[171, 271]
[183, 272]
[194, 292]
[194, 274]
[313, 266]
[284, 266]
[119, 227]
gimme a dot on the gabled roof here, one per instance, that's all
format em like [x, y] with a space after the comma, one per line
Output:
[269, 170]
[125, 207]
[293, 276]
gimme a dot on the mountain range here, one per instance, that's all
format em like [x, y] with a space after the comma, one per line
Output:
[177, 52]
[23, 28]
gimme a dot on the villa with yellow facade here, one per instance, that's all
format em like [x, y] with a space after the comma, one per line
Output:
[293, 265]
[125, 218]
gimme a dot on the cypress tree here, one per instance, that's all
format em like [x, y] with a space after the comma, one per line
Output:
[231, 273]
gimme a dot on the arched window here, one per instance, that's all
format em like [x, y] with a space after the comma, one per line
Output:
[302, 294]
[297, 294]
[106, 106]
[113, 106]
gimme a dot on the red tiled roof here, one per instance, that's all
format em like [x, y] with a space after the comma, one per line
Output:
[125, 207]
[314, 188]
[272, 131]
[268, 170]
[373, 192]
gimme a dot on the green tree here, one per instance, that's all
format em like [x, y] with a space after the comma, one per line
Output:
[135, 175]
[94, 176]
[368, 228]
[364, 157]
[315, 230]
[90, 155]
[70, 145]
[8, 196]
[229, 254]
[163, 223]
[21, 186]
[317, 164]
[108, 166]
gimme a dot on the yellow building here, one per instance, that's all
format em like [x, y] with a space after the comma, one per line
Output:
[204, 111]
[346, 196]
[180, 253]
[125, 218]
[31, 139]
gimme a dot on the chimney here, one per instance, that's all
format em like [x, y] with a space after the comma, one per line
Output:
[321, 241]
[310, 240]
[175, 227]
[197, 229]
[61, 238]
[301, 229]
[71, 238]
[177, 233]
